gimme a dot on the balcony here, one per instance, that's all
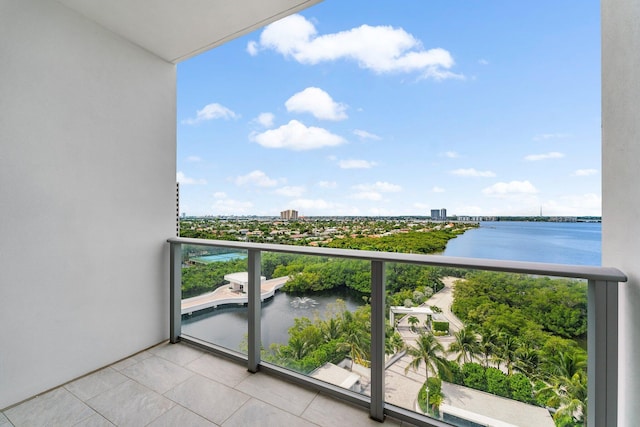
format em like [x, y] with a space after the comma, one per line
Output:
[180, 385]
[381, 402]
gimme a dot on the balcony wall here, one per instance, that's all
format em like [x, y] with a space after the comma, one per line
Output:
[87, 191]
[621, 175]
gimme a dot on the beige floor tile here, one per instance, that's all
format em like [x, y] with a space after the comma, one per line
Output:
[92, 385]
[180, 354]
[57, 407]
[157, 373]
[219, 369]
[180, 416]
[130, 404]
[274, 391]
[207, 398]
[328, 412]
[255, 413]
[95, 420]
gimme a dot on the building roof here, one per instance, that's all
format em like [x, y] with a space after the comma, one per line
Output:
[178, 30]
[241, 278]
[335, 375]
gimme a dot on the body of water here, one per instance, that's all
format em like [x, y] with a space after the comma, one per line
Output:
[227, 326]
[219, 257]
[552, 242]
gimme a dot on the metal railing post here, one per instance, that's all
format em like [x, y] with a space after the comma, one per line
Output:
[254, 303]
[175, 292]
[602, 343]
[376, 410]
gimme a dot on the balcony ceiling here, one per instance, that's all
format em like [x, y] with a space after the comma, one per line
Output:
[176, 30]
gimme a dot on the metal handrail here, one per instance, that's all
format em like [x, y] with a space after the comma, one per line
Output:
[602, 322]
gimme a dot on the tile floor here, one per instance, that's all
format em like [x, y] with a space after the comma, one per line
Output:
[178, 385]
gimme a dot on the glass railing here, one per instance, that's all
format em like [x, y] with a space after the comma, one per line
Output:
[427, 339]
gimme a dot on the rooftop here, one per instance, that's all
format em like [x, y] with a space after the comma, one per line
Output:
[176, 384]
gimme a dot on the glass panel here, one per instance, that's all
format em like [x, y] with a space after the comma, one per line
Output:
[214, 304]
[318, 323]
[496, 347]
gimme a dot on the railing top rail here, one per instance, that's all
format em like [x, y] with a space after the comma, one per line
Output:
[545, 269]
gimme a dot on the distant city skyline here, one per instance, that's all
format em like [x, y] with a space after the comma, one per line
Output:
[397, 108]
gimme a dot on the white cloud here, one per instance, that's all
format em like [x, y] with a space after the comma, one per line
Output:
[232, 207]
[317, 102]
[537, 157]
[368, 195]
[311, 204]
[483, 62]
[252, 48]
[296, 136]
[194, 159]
[546, 136]
[363, 134]
[356, 164]
[257, 178]
[383, 187]
[471, 172]
[211, 112]
[220, 195]
[574, 205]
[451, 154]
[265, 119]
[585, 172]
[382, 49]
[510, 188]
[290, 191]
[327, 184]
[184, 180]
[437, 189]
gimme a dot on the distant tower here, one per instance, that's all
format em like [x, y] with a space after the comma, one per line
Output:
[435, 214]
[289, 214]
[443, 214]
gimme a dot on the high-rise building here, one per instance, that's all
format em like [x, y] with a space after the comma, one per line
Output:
[289, 214]
[439, 214]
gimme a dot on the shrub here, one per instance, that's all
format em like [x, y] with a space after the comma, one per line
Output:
[441, 326]
[521, 388]
[474, 376]
[497, 382]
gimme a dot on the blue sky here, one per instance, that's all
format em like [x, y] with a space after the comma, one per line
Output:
[395, 108]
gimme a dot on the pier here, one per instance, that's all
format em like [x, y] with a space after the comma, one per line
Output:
[226, 294]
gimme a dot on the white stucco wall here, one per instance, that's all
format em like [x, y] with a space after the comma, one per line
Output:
[87, 196]
[621, 184]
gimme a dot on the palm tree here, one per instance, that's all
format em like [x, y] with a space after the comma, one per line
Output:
[568, 378]
[487, 345]
[507, 350]
[466, 345]
[429, 351]
[413, 321]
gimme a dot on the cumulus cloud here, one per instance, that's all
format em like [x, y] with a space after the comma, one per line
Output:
[296, 136]
[585, 172]
[356, 164]
[363, 134]
[327, 184]
[471, 172]
[257, 178]
[368, 195]
[265, 119]
[194, 159]
[317, 102]
[483, 62]
[219, 195]
[510, 188]
[311, 204]
[184, 180]
[381, 49]
[437, 189]
[537, 157]
[383, 187]
[231, 207]
[290, 191]
[211, 112]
